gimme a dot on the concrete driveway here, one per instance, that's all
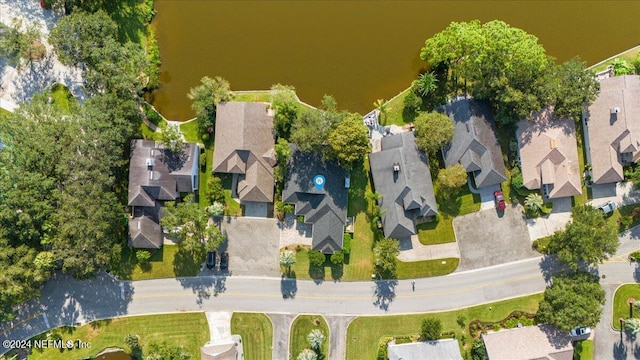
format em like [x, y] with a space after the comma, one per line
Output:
[486, 239]
[252, 244]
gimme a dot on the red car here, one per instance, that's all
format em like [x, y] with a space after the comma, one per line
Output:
[500, 204]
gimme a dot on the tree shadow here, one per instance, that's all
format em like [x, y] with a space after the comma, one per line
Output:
[317, 273]
[337, 271]
[549, 266]
[288, 287]
[619, 350]
[202, 286]
[385, 293]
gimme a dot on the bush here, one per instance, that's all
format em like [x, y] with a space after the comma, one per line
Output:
[431, 328]
[635, 256]
[346, 244]
[216, 191]
[316, 258]
[412, 102]
[143, 256]
[203, 163]
[478, 351]
[337, 258]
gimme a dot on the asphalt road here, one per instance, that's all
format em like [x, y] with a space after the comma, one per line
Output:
[67, 301]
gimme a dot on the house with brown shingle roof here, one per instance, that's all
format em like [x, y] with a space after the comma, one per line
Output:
[612, 123]
[542, 342]
[156, 175]
[549, 155]
[245, 148]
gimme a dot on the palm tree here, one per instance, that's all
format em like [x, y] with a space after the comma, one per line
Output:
[316, 338]
[381, 106]
[287, 258]
[632, 325]
[533, 202]
[427, 82]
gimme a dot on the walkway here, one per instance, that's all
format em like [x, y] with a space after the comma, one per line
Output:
[21, 83]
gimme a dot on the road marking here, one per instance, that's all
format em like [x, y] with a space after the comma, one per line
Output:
[253, 295]
[13, 326]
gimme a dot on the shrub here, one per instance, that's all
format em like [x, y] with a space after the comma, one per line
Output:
[203, 163]
[205, 137]
[626, 221]
[635, 256]
[216, 191]
[337, 258]
[478, 351]
[412, 102]
[431, 328]
[346, 244]
[316, 258]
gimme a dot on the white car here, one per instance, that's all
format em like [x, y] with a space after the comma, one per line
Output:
[608, 207]
[581, 331]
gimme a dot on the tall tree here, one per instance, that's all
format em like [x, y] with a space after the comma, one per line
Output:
[426, 83]
[350, 140]
[171, 138]
[570, 87]
[316, 338]
[286, 108]
[287, 259]
[431, 328]
[450, 180]
[206, 97]
[385, 252]
[587, 239]
[571, 300]
[432, 131]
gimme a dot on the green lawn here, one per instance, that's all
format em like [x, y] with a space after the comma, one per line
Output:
[586, 195]
[621, 307]
[626, 210]
[61, 96]
[628, 55]
[253, 96]
[232, 207]
[463, 203]
[190, 131]
[257, 334]
[365, 332]
[189, 330]
[583, 350]
[394, 111]
[301, 328]
[418, 269]
[440, 231]
[167, 262]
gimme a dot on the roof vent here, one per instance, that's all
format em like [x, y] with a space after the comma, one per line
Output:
[396, 167]
[615, 110]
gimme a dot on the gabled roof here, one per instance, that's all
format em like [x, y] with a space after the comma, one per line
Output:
[245, 145]
[613, 122]
[474, 143]
[325, 208]
[543, 342]
[445, 349]
[156, 175]
[405, 193]
[549, 154]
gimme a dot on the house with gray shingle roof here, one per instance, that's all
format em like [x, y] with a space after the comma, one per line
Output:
[402, 177]
[156, 175]
[245, 147]
[474, 144]
[549, 155]
[541, 342]
[612, 123]
[445, 349]
[325, 208]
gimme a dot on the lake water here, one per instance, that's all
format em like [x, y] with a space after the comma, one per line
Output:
[358, 51]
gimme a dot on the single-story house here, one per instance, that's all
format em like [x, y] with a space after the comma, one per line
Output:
[541, 342]
[402, 178]
[156, 175]
[319, 191]
[445, 349]
[612, 123]
[474, 144]
[245, 142]
[549, 155]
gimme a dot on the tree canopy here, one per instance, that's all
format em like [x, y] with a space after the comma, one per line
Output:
[432, 131]
[286, 107]
[206, 97]
[572, 300]
[350, 140]
[587, 239]
[385, 252]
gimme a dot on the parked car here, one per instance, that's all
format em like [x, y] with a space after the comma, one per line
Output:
[499, 198]
[608, 207]
[581, 331]
[211, 259]
[224, 261]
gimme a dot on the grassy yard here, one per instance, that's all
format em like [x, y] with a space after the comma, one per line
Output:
[618, 213]
[394, 111]
[440, 231]
[188, 330]
[190, 131]
[365, 332]
[167, 262]
[418, 269]
[62, 97]
[583, 350]
[628, 55]
[253, 96]
[257, 334]
[586, 195]
[621, 307]
[301, 328]
[232, 207]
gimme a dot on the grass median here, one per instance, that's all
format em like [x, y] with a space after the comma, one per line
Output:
[256, 331]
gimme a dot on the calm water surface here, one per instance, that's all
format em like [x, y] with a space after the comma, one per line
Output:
[358, 51]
